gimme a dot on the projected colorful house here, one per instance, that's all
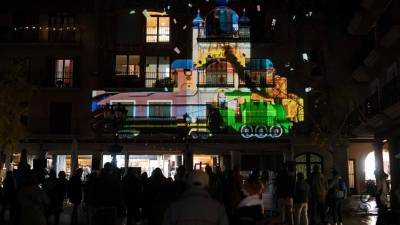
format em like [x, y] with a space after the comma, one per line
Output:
[221, 89]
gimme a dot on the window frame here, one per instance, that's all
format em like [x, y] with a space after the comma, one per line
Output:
[71, 78]
[158, 101]
[157, 72]
[354, 174]
[126, 74]
[157, 35]
[123, 103]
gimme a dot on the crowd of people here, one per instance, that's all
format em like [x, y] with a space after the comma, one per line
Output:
[191, 197]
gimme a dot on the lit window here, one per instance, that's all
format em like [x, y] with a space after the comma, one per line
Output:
[127, 65]
[157, 70]
[63, 73]
[351, 174]
[157, 28]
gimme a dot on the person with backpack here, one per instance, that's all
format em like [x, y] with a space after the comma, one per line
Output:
[336, 194]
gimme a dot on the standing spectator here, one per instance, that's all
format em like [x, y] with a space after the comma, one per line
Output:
[10, 195]
[236, 194]
[107, 195]
[75, 194]
[60, 193]
[133, 190]
[49, 186]
[319, 189]
[301, 200]
[33, 202]
[250, 210]
[337, 192]
[285, 184]
[195, 205]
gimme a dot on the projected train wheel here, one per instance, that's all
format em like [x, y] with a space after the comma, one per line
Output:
[276, 131]
[246, 131]
[261, 131]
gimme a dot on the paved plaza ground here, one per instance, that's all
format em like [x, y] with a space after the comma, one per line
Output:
[353, 214]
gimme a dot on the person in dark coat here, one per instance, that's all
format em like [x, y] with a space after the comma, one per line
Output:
[250, 210]
[285, 184]
[10, 196]
[133, 191]
[75, 193]
[60, 193]
[107, 195]
[49, 186]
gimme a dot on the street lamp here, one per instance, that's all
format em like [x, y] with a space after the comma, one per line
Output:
[114, 117]
[188, 154]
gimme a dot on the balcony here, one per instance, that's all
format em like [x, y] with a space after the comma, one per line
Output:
[60, 81]
[380, 108]
[154, 81]
[39, 35]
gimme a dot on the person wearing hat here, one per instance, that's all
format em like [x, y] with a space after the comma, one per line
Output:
[196, 206]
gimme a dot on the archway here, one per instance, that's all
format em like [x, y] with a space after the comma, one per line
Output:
[369, 165]
[220, 73]
[306, 161]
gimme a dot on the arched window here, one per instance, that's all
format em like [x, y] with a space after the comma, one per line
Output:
[220, 74]
[306, 161]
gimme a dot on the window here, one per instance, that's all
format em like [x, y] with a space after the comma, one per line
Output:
[63, 73]
[157, 28]
[157, 71]
[351, 174]
[217, 74]
[62, 27]
[159, 109]
[306, 162]
[129, 106]
[127, 65]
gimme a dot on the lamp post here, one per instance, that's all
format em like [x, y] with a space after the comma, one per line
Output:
[188, 154]
[114, 117]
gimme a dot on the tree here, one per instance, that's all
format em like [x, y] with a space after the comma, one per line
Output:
[15, 95]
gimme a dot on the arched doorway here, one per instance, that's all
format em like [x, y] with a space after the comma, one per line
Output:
[220, 73]
[369, 165]
[306, 161]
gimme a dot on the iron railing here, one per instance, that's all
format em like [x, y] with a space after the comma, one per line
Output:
[159, 80]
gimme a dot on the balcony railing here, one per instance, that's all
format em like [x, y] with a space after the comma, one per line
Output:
[215, 79]
[159, 80]
[376, 103]
[36, 35]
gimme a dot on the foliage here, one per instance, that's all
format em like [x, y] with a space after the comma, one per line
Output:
[15, 94]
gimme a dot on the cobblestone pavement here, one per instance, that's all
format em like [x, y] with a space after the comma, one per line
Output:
[354, 214]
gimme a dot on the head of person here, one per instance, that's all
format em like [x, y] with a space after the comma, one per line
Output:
[79, 172]
[157, 174]
[198, 179]
[144, 176]
[252, 187]
[61, 175]
[181, 171]
[52, 174]
[300, 177]
[335, 173]
[316, 169]
[108, 168]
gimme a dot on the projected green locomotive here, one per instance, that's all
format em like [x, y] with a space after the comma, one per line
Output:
[260, 117]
